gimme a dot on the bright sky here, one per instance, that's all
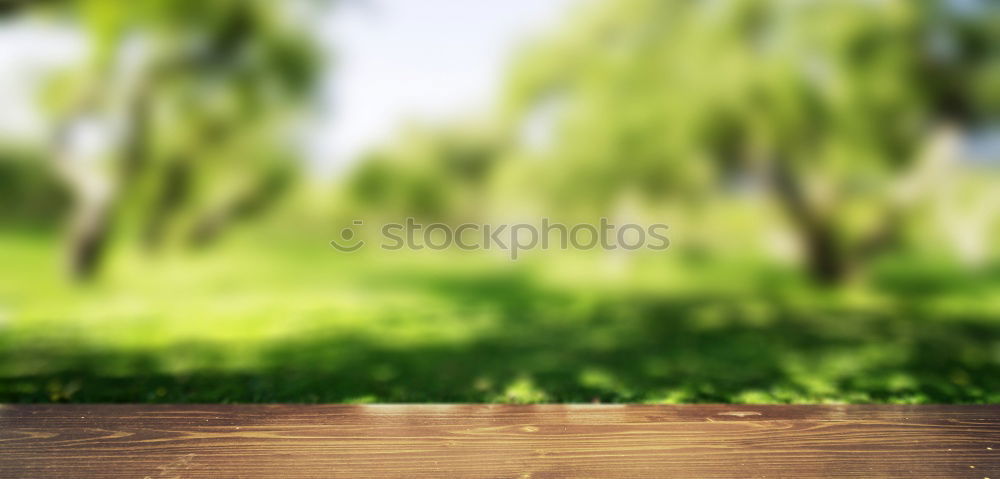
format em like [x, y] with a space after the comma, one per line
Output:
[426, 59]
[28, 52]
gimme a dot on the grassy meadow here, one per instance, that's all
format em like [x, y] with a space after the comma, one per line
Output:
[278, 317]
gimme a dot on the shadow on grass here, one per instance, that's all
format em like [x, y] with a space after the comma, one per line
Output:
[552, 347]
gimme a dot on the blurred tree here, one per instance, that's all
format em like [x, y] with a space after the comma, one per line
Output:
[435, 173]
[179, 122]
[829, 105]
[30, 192]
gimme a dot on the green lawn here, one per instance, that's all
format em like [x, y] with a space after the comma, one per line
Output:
[255, 322]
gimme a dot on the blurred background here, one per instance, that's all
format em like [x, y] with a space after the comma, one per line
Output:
[172, 171]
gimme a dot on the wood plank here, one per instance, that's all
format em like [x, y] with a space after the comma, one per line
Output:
[542, 441]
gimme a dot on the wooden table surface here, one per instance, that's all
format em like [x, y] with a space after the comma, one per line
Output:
[493, 441]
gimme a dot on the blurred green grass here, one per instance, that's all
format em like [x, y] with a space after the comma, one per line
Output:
[294, 325]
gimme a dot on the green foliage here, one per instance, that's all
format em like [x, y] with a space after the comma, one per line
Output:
[827, 104]
[437, 174]
[30, 192]
[847, 88]
[198, 100]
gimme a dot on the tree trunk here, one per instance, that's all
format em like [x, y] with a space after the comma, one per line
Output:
[96, 206]
[88, 238]
[826, 260]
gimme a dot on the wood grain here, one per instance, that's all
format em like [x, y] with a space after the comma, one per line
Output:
[490, 441]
